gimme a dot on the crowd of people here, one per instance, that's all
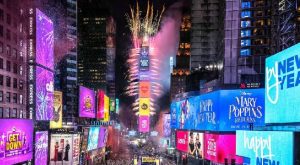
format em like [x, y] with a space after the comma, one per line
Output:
[119, 162]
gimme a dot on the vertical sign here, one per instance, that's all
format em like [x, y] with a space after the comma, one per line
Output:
[144, 123]
[57, 116]
[106, 108]
[144, 106]
[86, 102]
[100, 107]
[41, 148]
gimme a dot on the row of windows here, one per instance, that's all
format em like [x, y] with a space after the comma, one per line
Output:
[12, 52]
[11, 98]
[14, 83]
[15, 68]
[12, 113]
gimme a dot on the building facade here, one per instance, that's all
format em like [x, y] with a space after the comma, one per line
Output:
[13, 61]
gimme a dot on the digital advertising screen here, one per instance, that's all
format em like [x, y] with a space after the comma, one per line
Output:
[173, 111]
[61, 149]
[106, 108]
[196, 145]
[44, 94]
[167, 125]
[112, 105]
[100, 107]
[182, 140]
[86, 102]
[144, 123]
[144, 89]
[144, 76]
[144, 106]
[84, 138]
[56, 122]
[16, 142]
[282, 83]
[76, 148]
[144, 59]
[261, 147]
[102, 137]
[44, 40]
[41, 148]
[93, 138]
[207, 114]
[220, 148]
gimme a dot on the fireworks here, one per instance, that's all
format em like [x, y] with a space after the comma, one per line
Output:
[142, 61]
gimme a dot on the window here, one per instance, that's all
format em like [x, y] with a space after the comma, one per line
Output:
[7, 81]
[21, 70]
[21, 84]
[1, 15]
[15, 83]
[1, 63]
[1, 112]
[1, 47]
[14, 113]
[8, 34]
[6, 112]
[8, 66]
[245, 24]
[245, 14]
[245, 42]
[8, 97]
[246, 5]
[15, 98]
[8, 50]
[1, 31]
[14, 53]
[1, 96]
[15, 68]
[8, 19]
[245, 52]
[1, 79]
[21, 55]
[21, 99]
[21, 113]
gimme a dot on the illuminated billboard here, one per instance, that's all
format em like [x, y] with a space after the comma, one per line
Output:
[144, 106]
[44, 94]
[84, 138]
[144, 89]
[144, 123]
[64, 149]
[100, 107]
[86, 102]
[102, 137]
[182, 138]
[272, 147]
[220, 148]
[167, 125]
[41, 148]
[56, 122]
[282, 83]
[196, 145]
[112, 105]
[144, 59]
[93, 138]
[106, 108]
[16, 140]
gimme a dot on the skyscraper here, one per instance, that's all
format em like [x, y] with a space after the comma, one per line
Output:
[13, 61]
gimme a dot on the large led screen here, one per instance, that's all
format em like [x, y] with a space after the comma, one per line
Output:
[196, 145]
[144, 59]
[100, 107]
[265, 147]
[173, 111]
[282, 83]
[207, 113]
[86, 102]
[102, 137]
[220, 148]
[182, 140]
[62, 149]
[144, 123]
[106, 108]
[144, 89]
[144, 106]
[44, 40]
[16, 140]
[44, 94]
[56, 122]
[167, 125]
[93, 138]
[41, 148]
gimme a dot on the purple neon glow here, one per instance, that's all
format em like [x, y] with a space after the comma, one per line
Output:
[15, 131]
[86, 102]
[44, 40]
[102, 137]
[41, 148]
[44, 94]
[144, 123]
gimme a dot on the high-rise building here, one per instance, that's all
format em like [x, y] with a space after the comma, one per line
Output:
[13, 60]
[92, 58]
[182, 68]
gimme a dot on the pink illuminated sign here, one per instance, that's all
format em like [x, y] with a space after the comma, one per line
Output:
[182, 140]
[144, 123]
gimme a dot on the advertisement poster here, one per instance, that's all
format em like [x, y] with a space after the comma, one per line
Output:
[86, 102]
[174, 119]
[182, 140]
[100, 107]
[207, 115]
[41, 148]
[112, 105]
[144, 59]
[56, 122]
[220, 148]
[61, 149]
[16, 140]
[282, 83]
[44, 94]
[196, 145]
[102, 137]
[84, 138]
[93, 138]
[144, 89]
[144, 106]
[76, 148]
[167, 125]
[106, 108]
[44, 40]
[144, 123]
[271, 147]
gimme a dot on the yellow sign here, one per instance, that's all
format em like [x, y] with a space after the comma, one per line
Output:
[57, 114]
[148, 160]
[144, 107]
[106, 108]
